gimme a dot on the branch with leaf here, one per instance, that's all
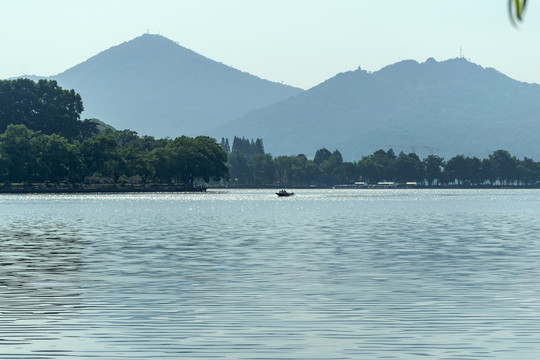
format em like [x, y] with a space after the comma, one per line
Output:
[516, 8]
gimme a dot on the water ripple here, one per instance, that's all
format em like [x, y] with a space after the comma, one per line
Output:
[382, 274]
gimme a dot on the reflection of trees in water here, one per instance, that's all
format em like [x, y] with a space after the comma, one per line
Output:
[39, 267]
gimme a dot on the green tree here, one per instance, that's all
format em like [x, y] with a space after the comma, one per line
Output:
[487, 171]
[18, 153]
[88, 128]
[370, 171]
[239, 168]
[247, 147]
[296, 170]
[330, 166]
[58, 159]
[304, 171]
[190, 159]
[263, 169]
[321, 155]
[284, 170]
[433, 165]
[409, 168]
[225, 145]
[348, 172]
[160, 161]
[456, 169]
[475, 174]
[528, 171]
[338, 156]
[213, 166]
[329, 170]
[126, 137]
[41, 106]
[100, 155]
[503, 165]
[378, 167]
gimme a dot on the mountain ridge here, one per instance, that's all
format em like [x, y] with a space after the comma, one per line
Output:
[448, 107]
[154, 86]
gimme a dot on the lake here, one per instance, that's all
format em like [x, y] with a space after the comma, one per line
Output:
[243, 274]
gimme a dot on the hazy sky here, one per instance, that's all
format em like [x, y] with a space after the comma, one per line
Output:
[298, 42]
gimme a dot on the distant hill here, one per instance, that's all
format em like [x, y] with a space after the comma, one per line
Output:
[446, 108]
[156, 87]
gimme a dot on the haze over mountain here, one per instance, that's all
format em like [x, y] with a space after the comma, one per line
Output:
[446, 108]
[156, 87]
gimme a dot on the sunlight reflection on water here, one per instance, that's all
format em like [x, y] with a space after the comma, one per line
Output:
[243, 274]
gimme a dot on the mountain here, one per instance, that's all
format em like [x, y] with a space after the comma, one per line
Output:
[156, 87]
[446, 108]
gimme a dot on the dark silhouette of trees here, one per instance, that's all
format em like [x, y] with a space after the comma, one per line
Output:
[503, 166]
[43, 106]
[433, 166]
[43, 140]
[409, 168]
[225, 145]
[239, 168]
[248, 163]
[499, 168]
[123, 156]
[296, 170]
[29, 156]
[377, 167]
[17, 154]
[263, 169]
[58, 159]
[247, 147]
[321, 155]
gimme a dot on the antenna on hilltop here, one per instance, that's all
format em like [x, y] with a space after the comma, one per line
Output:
[147, 30]
[460, 52]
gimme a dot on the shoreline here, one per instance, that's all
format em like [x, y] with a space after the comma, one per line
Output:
[81, 188]
[139, 188]
[379, 187]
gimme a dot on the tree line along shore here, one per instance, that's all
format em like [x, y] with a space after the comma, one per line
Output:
[250, 166]
[45, 147]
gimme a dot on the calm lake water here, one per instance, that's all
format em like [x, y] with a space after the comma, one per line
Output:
[243, 274]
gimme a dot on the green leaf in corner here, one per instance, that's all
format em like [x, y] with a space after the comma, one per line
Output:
[516, 8]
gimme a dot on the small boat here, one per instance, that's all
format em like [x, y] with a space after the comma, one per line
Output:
[284, 193]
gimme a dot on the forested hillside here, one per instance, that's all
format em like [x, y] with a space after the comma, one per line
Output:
[445, 108]
[156, 87]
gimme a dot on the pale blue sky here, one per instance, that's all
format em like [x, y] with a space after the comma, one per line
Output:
[298, 42]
